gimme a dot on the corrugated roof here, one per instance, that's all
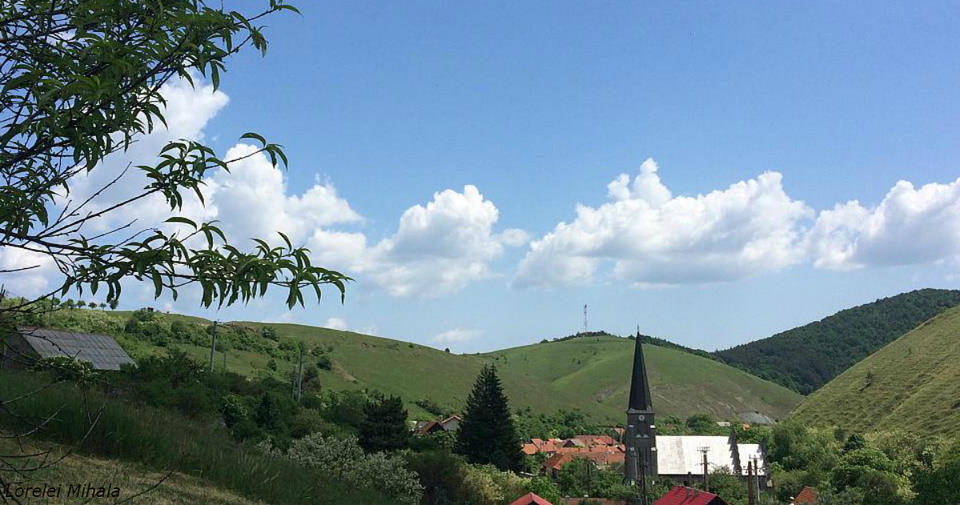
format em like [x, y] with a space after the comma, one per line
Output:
[680, 455]
[747, 453]
[101, 351]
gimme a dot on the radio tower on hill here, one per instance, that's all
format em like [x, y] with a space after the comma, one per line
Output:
[584, 318]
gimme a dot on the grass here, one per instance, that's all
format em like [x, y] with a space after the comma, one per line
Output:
[591, 374]
[913, 383]
[161, 441]
[131, 479]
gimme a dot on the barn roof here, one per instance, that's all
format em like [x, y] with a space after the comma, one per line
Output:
[101, 351]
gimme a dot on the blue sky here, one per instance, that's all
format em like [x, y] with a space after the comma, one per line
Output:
[541, 106]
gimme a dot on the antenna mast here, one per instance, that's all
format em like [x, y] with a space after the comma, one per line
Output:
[584, 318]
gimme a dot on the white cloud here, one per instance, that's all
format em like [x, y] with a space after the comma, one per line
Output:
[335, 323]
[455, 335]
[438, 248]
[252, 200]
[909, 226]
[651, 237]
[26, 273]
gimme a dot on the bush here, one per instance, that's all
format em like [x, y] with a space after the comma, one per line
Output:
[324, 363]
[345, 459]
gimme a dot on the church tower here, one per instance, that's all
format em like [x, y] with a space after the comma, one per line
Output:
[641, 437]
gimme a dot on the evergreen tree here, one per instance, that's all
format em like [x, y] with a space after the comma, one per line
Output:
[384, 425]
[487, 434]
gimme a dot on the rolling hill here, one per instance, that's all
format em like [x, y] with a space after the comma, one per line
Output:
[807, 357]
[587, 373]
[912, 383]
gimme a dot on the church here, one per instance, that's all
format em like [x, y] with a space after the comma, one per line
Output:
[681, 459]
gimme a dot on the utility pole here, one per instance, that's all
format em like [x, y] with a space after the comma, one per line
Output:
[213, 345]
[750, 496]
[756, 479]
[706, 474]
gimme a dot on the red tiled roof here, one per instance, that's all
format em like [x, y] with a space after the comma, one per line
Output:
[808, 495]
[596, 439]
[602, 458]
[680, 495]
[529, 449]
[530, 499]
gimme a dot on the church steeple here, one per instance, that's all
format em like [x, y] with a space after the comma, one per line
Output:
[639, 387]
[641, 434]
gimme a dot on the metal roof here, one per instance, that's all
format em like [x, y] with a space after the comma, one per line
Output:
[680, 454]
[103, 352]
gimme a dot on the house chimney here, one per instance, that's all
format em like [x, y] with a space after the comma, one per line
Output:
[750, 497]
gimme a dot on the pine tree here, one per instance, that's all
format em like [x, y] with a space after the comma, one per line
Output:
[487, 433]
[384, 426]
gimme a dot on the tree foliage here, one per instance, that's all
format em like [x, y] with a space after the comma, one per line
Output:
[81, 80]
[807, 357]
[487, 434]
[384, 426]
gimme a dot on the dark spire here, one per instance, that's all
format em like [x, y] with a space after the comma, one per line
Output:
[639, 386]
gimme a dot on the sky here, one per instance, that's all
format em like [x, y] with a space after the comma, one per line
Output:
[710, 172]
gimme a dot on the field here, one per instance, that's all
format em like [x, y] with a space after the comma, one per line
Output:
[587, 373]
[912, 383]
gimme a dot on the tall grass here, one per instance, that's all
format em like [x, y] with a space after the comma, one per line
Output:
[166, 441]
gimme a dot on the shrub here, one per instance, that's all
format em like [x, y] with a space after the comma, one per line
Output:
[345, 459]
[324, 363]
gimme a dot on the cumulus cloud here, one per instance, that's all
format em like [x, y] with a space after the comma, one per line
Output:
[455, 335]
[910, 226]
[650, 237]
[438, 248]
[253, 200]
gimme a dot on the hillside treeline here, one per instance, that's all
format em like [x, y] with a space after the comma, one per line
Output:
[809, 356]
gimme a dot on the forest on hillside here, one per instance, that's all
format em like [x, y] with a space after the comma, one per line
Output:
[807, 357]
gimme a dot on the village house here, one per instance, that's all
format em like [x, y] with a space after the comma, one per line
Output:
[451, 423]
[27, 344]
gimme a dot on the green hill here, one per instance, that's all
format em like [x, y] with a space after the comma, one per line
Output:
[912, 383]
[587, 373]
[807, 357]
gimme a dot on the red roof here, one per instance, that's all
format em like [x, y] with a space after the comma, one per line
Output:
[604, 458]
[530, 499]
[808, 495]
[596, 439]
[680, 495]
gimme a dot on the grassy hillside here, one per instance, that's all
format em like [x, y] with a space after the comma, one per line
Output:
[913, 383]
[807, 357]
[597, 371]
[588, 373]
